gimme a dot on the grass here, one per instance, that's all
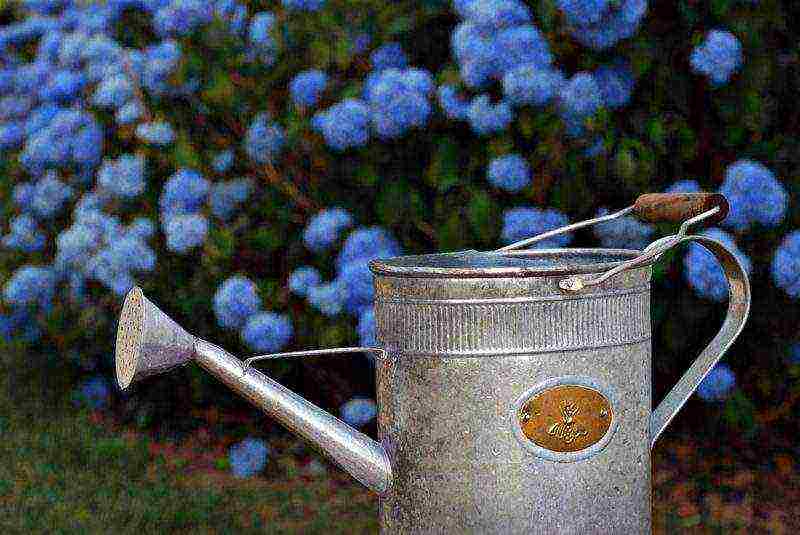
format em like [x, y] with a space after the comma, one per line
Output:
[65, 472]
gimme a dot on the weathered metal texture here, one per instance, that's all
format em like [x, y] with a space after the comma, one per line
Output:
[738, 311]
[471, 338]
[148, 341]
[359, 455]
[462, 353]
[469, 342]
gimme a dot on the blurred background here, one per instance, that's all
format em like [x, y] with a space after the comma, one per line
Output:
[242, 161]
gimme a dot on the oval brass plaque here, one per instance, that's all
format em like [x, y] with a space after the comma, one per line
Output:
[566, 418]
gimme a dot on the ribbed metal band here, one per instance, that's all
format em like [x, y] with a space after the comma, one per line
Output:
[513, 326]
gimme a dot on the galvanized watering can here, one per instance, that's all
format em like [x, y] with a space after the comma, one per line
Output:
[513, 386]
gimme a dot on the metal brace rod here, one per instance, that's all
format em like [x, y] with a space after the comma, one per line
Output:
[311, 353]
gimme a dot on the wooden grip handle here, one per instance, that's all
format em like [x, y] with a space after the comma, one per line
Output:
[678, 207]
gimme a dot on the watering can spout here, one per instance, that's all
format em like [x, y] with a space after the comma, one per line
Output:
[149, 342]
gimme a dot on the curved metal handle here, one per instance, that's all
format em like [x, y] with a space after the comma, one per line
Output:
[738, 310]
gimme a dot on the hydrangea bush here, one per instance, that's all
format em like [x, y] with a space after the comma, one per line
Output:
[243, 161]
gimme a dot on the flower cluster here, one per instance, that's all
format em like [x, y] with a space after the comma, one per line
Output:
[351, 290]
[718, 384]
[358, 411]
[754, 194]
[718, 56]
[623, 233]
[702, 270]
[237, 305]
[600, 24]
[786, 265]
[521, 223]
[248, 457]
[510, 172]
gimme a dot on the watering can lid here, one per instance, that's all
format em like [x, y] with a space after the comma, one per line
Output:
[524, 263]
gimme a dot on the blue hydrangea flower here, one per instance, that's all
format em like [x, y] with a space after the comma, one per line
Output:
[223, 161]
[23, 195]
[142, 228]
[303, 5]
[63, 86]
[267, 332]
[786, 265]
[184, 193]
[30, 286]
[486, 118]
[580, 96]
[616, 83]
[93, 393]
[399, 101]
[24, 235]
[185, 232]
[303, 278]
[327, 298]
[123, 177]
[355, 279]
[523, 222]
[703, 272]
[344, 125]
[388, 56]
[718, 56]
[181, 17]
[358, 411]
[583, 12]
[260, 36]
[248, 457]
[73, 137]
[521, 45]
[492, 15]
[234, 13]
[531, 84]
[226, 197]
[115, 263]
[306, 88]
[366, 328]
[718, 384]
[622, 233]
[49, 195]
[113, 92]
[684, 186]
[235, 301]
[155, 133]
[159, 64]
[454, 105]
[264, 139]
[129, 113]
[510, 172]
[367, 243]
[754, 194]
[619, 20]
[325, 228]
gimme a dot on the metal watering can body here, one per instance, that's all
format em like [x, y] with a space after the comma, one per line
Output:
[513, 386]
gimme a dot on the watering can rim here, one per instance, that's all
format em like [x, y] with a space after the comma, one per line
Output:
[520, 263]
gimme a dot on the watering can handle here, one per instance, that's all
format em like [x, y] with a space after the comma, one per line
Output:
[738, 310]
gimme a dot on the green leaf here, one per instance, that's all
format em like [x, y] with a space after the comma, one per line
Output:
[221, 90]
[185, 154]
[443, 170]
[483, 214]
